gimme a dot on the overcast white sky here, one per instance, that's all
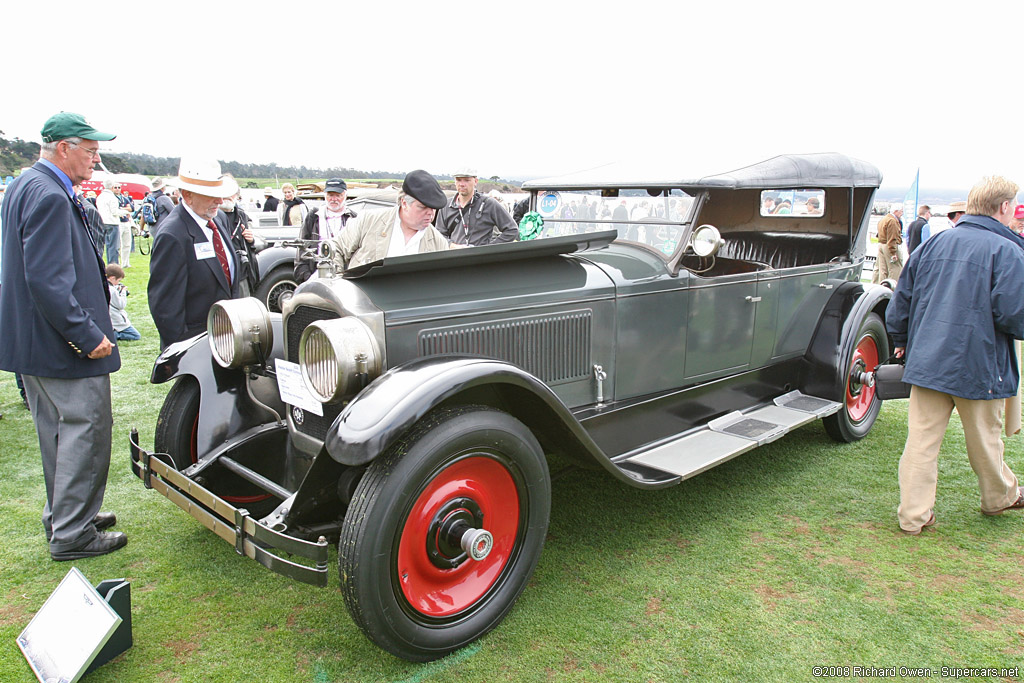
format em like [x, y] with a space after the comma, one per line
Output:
[528, 89]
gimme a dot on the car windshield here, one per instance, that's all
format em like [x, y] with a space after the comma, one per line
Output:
[654, 218]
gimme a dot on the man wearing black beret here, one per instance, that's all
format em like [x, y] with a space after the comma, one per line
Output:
[405, 229]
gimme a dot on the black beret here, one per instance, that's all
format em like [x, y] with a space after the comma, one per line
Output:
[422, 186]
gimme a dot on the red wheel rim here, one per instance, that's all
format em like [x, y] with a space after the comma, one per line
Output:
[194, 457]
[860, 396]
[437, 592]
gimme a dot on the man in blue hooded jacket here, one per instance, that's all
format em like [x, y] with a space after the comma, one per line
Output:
[954, 315]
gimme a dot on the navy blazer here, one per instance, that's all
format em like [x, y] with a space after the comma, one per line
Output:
[182, 288]
[53, 302]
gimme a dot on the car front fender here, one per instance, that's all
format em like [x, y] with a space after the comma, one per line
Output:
[382, 413]
[226, 405]
[273, 257]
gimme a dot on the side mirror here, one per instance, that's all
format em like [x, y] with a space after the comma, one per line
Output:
[706, 241]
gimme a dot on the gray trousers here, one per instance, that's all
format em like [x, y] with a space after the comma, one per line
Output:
[73, 422]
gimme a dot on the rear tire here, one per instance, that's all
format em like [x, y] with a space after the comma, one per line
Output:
[860, 402]
[409, 589]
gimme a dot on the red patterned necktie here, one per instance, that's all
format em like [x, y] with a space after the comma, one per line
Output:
[218, 247]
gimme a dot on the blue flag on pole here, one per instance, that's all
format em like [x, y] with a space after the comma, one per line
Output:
[910, 204]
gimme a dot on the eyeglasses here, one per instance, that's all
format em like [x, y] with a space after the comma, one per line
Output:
[93, 153]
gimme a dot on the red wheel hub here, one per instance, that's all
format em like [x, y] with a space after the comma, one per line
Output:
[859, 396]
[440, 592]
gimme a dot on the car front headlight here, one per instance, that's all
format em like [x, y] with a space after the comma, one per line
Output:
[240, 332]
[337, 357]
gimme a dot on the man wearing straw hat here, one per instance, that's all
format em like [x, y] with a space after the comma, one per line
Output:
[193, 264]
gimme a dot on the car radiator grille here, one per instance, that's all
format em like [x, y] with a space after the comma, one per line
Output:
[554, 348]
[312, 425]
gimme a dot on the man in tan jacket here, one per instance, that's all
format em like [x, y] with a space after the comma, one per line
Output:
[405, 229]
[890, 236]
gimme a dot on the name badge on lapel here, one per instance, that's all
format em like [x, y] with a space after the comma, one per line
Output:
[204, 250]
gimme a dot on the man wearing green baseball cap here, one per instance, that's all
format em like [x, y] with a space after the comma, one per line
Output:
[67, 125]
[55, 296]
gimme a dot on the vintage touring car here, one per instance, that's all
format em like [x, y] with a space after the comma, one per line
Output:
[406, 409]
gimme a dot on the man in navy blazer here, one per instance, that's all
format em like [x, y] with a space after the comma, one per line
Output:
[57, 335]
[193, 263]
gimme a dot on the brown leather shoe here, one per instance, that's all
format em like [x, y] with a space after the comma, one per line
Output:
[104, 542]
[917, 532]
[1016, 505]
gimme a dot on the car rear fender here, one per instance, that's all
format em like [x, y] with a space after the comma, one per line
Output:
[226, 404]
[836, 335]
[379, 416]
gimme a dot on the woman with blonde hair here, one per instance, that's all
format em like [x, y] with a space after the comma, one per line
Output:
[292, 211]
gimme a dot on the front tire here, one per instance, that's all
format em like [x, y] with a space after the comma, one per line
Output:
[273, 286]
[177, 423]
[406, 586]
[176, 430]
[860, 402]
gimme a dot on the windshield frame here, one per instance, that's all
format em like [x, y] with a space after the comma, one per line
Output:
[635, 197]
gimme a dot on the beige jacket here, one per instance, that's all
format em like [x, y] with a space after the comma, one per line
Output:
[366, 238]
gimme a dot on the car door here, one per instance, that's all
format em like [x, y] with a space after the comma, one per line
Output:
[720, 325]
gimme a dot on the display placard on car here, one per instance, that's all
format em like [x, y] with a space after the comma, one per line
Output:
[293, 388]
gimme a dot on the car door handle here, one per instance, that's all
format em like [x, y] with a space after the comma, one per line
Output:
[753, 299]
[825, 286]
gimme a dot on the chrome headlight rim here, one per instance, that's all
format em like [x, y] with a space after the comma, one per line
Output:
[235, 327]
[332, 353]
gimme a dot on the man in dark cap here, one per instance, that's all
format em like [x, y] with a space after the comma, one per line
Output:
[405, 229]
[325, 224]
[54, 302]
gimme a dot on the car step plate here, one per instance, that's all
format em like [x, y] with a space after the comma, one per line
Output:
[796, 400]
[733, 434]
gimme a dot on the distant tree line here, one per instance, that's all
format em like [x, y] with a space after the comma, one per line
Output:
[147, 164]
[16, 154]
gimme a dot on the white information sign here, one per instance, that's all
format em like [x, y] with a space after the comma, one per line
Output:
[69, 630]
[293, 389]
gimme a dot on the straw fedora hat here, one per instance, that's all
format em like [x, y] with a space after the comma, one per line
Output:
[203, 176]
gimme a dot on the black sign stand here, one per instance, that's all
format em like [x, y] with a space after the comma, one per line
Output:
[118, 594]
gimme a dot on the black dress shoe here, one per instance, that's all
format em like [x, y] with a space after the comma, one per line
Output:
[105, 542]
[104, 520]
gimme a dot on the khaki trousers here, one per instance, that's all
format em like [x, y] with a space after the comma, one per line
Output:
[919, 466]
[884, 268]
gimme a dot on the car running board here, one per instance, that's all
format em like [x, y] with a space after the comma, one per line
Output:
[732, 434]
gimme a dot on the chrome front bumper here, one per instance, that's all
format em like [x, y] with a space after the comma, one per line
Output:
[234, 525]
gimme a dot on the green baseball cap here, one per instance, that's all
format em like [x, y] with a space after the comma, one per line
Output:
[68, 125]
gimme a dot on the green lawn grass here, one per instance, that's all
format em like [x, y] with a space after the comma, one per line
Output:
[781, 560]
